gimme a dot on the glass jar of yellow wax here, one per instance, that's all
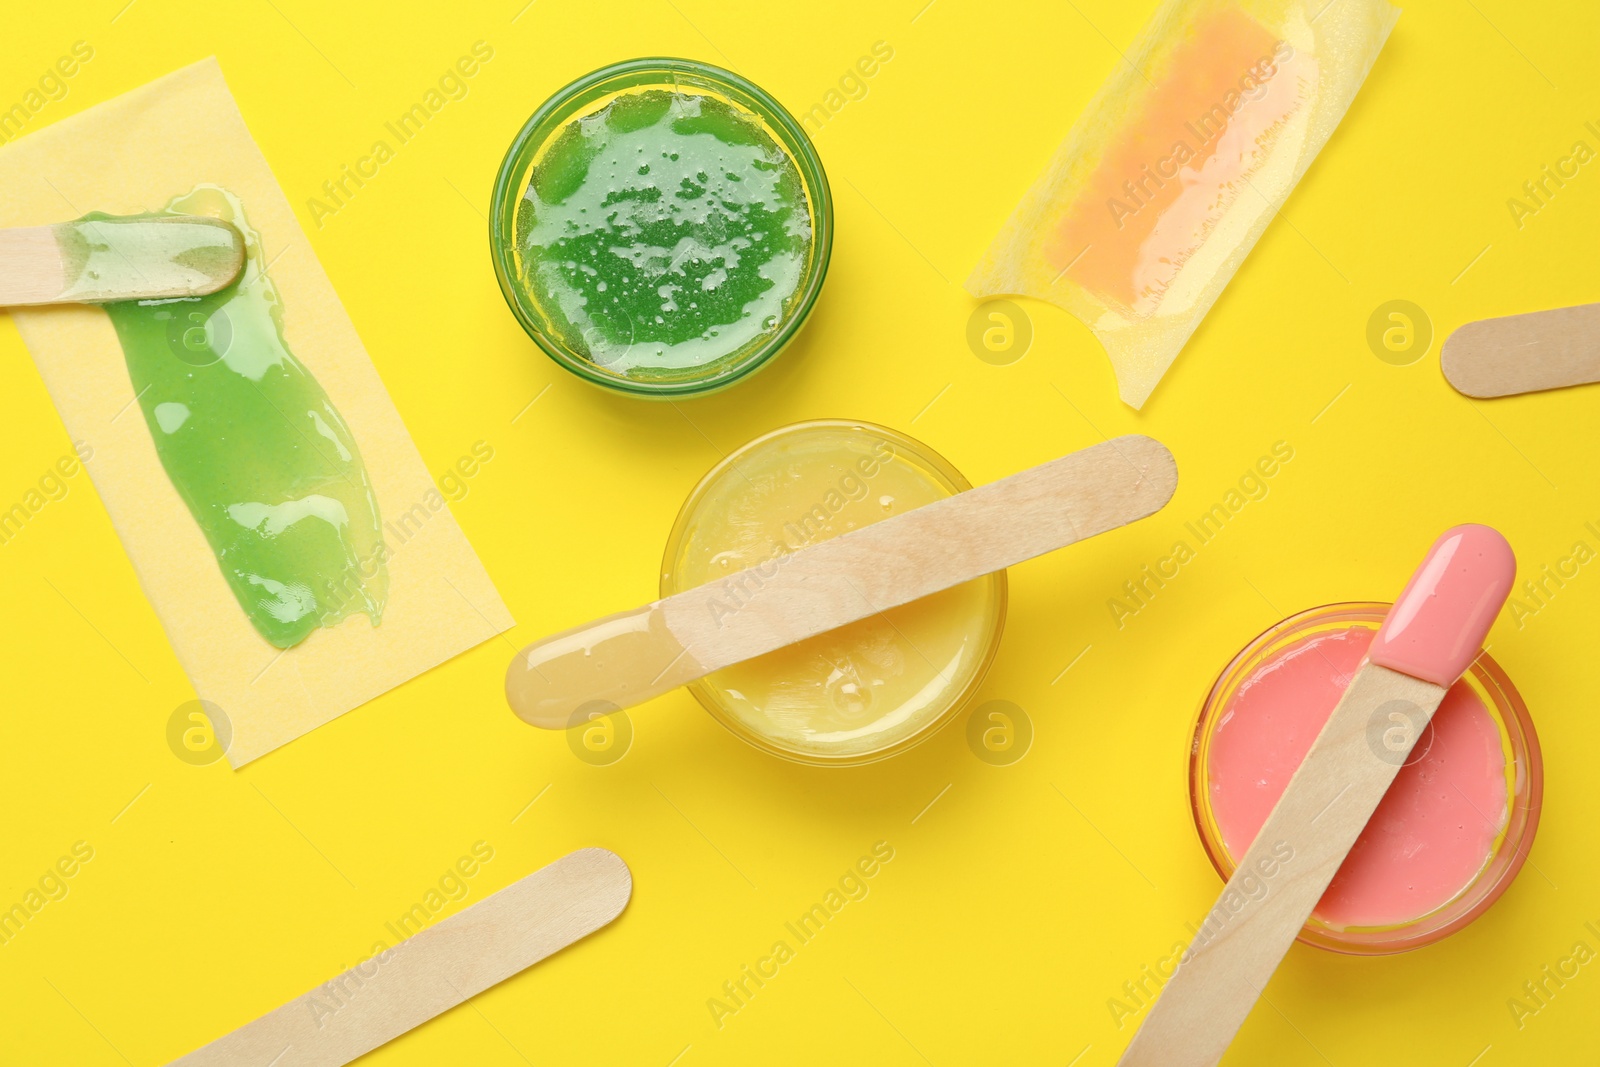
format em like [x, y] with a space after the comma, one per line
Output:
[873, 688]
[661, 227]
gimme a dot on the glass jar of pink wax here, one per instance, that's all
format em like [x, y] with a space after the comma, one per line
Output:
[1448, 837]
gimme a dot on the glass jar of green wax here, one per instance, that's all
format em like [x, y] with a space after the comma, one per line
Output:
[661, 227]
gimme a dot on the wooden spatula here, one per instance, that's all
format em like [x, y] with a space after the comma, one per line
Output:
[628, 658]
[98, 261]
[1524, 353]
[1430, 637]
[454, 959]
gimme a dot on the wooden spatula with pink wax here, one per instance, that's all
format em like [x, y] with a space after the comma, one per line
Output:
[1431, 637]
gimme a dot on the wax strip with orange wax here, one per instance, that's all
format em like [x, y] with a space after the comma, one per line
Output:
[1177, 166]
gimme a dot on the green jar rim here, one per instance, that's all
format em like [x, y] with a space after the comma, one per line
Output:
[573, 100]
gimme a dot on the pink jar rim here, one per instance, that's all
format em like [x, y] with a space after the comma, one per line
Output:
[1525, 785]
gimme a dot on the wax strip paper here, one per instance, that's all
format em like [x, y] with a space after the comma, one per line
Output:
[133, 154]
[1177, 166]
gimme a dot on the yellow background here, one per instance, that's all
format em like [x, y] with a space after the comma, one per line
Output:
[1024, 897]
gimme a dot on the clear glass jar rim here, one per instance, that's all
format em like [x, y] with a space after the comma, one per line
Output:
[686, 514]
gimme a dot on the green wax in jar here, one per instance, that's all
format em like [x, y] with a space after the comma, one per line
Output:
[663, 233]
[254, 447]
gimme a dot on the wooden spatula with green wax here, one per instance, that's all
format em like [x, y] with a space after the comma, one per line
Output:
[99, 259]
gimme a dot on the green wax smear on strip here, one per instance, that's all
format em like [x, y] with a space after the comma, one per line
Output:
[251, 442]
[664, 233]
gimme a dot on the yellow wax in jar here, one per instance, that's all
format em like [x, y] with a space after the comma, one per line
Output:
[866, 689]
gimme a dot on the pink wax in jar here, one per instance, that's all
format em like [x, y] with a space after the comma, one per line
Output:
[1448, 836]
